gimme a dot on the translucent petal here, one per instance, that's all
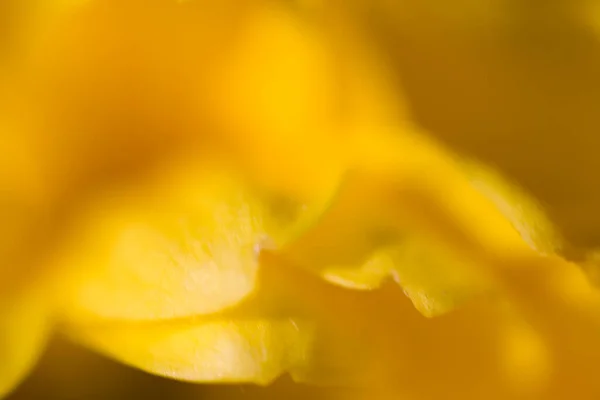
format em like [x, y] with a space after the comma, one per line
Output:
[264, 336]
[361, 346]
[217, 351]
[521, 209]
[434, 278]
[185, 243]
[356, 242]
[255, 63]
[436, 273]
[340, 337]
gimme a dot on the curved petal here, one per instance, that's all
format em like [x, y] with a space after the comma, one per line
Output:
[374, 339]
[435, 278]
[185, 244]
[357, 242]
[266, 335]
[520, 208]
[218, 351]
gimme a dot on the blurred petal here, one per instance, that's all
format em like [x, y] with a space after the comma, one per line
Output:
[27, 199]
[275, 95]
[512, 85]
[298, 90]
[118, 85]
[24, 327]
[559, 303]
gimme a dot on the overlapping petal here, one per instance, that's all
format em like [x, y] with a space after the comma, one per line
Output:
[185, 244]
[202, 272]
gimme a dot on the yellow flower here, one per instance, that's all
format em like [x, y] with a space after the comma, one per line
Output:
[232, 191]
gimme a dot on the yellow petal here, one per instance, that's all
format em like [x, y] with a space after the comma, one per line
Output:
[495, 85]
[343, 343]
[267, 334]
[185, 243]
[27, 201]
[216, 351]
[378, 339]
[557, 300]
[521, 209]
[274, 96]
[24, 327]
[296, 90]
[335, 336]
[356, 244]
[118, 84]
[434, 278]
[350, 244]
